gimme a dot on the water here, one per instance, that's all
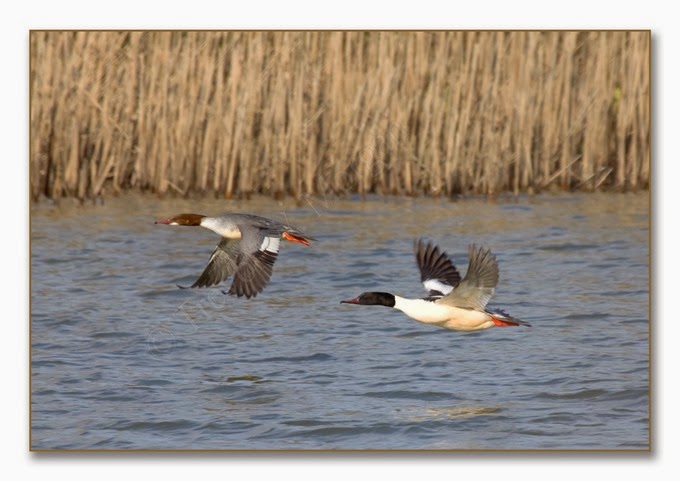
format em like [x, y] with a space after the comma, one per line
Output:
[123, 359]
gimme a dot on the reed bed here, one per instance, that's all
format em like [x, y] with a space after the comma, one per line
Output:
[304, 113]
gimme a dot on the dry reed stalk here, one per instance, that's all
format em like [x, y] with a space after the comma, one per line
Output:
[301, 113]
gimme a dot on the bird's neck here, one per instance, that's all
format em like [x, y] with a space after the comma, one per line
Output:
[219, 226]
[406, 305]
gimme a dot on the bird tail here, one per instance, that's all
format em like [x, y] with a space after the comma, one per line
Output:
[503, 319]
[297, 237]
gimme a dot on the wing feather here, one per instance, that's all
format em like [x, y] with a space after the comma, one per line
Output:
[253, 274]
[479, 284]
[221, 265]
[437, 272]
[259, 250]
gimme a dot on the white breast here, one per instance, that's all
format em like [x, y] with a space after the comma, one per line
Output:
[441, 315]
[421, 310]
[219, 226]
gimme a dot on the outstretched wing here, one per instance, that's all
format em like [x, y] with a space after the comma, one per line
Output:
[479, 284]
[222, 264]
[259, 249]
[437, 272]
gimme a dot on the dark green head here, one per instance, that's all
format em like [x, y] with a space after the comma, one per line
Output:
[372, 299]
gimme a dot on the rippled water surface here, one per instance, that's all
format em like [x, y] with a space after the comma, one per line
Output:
[123, 359]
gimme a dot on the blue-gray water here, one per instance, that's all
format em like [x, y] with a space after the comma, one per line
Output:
[123, 359]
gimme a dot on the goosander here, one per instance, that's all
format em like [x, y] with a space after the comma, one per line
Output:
[453, 303]
[247, 251]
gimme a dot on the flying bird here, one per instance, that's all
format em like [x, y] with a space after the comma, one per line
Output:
[249, 247]
[452, 303]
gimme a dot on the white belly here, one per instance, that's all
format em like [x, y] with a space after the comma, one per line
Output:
[441, 315]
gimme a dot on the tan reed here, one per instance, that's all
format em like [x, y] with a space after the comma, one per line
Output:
[303, 113]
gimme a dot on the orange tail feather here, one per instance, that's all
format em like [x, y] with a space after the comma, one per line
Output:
[503, 323]
[295, 238]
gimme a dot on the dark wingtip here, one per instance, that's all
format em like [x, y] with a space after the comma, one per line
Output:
[232, 292]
